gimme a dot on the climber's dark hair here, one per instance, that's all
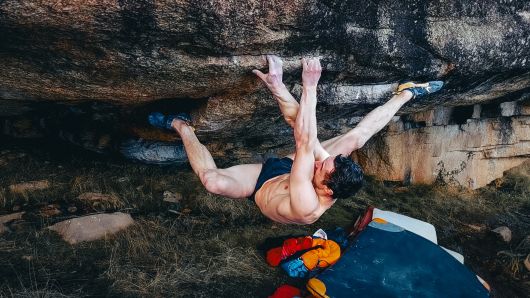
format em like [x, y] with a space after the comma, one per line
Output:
[347, 178]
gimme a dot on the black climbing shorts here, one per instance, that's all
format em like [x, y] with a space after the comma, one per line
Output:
[273, 167]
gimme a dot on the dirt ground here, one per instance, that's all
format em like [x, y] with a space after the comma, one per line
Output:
[205, 246]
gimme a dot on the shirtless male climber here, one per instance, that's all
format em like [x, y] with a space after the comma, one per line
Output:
[300, 187]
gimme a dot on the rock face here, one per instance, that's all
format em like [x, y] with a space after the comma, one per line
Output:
[199, 55]
[132, 51]
[466, 145]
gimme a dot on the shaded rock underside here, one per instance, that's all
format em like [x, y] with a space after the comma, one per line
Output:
[198, 55]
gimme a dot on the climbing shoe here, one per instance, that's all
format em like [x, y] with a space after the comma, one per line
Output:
[420, 89]
[159, 120]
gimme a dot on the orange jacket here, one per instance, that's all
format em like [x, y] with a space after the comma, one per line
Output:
[328, 254]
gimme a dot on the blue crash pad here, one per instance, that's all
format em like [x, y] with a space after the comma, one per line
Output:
[387, 261]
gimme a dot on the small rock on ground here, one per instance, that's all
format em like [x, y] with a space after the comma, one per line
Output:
[504, 232]
[10, 217]
[92, 227]
[172, 197]
[29, 186]
[527, 262]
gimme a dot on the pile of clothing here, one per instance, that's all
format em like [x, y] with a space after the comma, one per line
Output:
[306, 256]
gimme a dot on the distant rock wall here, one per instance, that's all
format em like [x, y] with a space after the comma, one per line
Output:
[469, 146]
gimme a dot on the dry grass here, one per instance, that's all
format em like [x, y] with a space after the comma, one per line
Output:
[3, 198]
[34, 290]
[202, 266]
[227, 209]
[207, 248]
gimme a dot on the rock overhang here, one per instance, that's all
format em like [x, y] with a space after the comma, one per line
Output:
[129, 53]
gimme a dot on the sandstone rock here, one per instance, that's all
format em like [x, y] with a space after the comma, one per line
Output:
[189, 51]
[29, 186]
[141, 51]
[524, 109]
[459, 149]
[527, 262]
[504, 232]
[10, 217]
[92, 227]
[509, 108]
[477, 110]
[172, 197]
[152, 152]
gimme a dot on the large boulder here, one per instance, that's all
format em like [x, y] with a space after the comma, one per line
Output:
[199, 55]
[137, 51]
